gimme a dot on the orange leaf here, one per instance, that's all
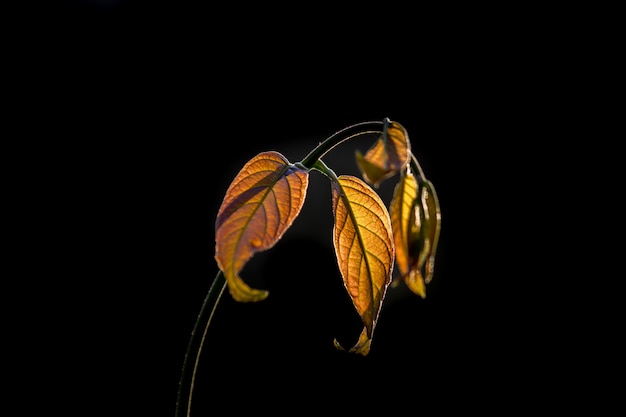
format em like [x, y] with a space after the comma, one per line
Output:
[387, 156]
[260, 204]
[364, 248]
[416, 221]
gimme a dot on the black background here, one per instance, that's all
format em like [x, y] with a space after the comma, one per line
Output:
[146, 111]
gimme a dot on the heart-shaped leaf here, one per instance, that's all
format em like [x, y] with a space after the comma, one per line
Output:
[364, 248]
[260, 204]
[389, 154]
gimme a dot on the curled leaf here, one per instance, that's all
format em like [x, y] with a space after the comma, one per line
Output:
[416, 221]
[389, 154]
[260, 204]
[402, 212]
[364, 249]
[431, 213]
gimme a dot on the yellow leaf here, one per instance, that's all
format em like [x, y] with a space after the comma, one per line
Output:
[402, 211]
[364, 249]
[260, 204]
[387, 156]
[416, 221]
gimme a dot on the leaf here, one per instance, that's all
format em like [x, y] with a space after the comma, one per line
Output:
[402, 212]
[364, 248]
[416, 221]
[431, 213]
[389, 154]
[260, 204]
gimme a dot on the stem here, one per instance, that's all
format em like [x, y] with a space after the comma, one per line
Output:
[324, 169]
[188, 376]
[416, 167]
[338, 137]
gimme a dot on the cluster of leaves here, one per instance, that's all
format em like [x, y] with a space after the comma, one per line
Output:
[369, 239]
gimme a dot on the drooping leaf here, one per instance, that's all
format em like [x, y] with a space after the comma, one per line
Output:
[431, 213]
[402, 212]
[260, 204]
[364, 249]
[416, 221]
[389, 154]
[372, 173]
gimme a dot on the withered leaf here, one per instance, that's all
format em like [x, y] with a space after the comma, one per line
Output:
[260, 204]
[389, 154]
[364, 249]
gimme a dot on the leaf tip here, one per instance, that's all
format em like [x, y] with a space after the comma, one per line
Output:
[362, 347]
[243, 293]
[416, 283]
[338, 345]
[251, 296]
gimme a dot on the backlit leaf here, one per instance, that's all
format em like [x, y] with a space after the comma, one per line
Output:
[431, 228]
[260, 204]
[364, 248]
[416, 221]
[402, 213]
[389, 154]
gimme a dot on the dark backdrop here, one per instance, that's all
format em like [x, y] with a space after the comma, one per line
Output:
[147, 111]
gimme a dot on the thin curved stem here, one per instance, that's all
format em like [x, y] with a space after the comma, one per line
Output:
[417, 168]
[338, 137]
[194, 349]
